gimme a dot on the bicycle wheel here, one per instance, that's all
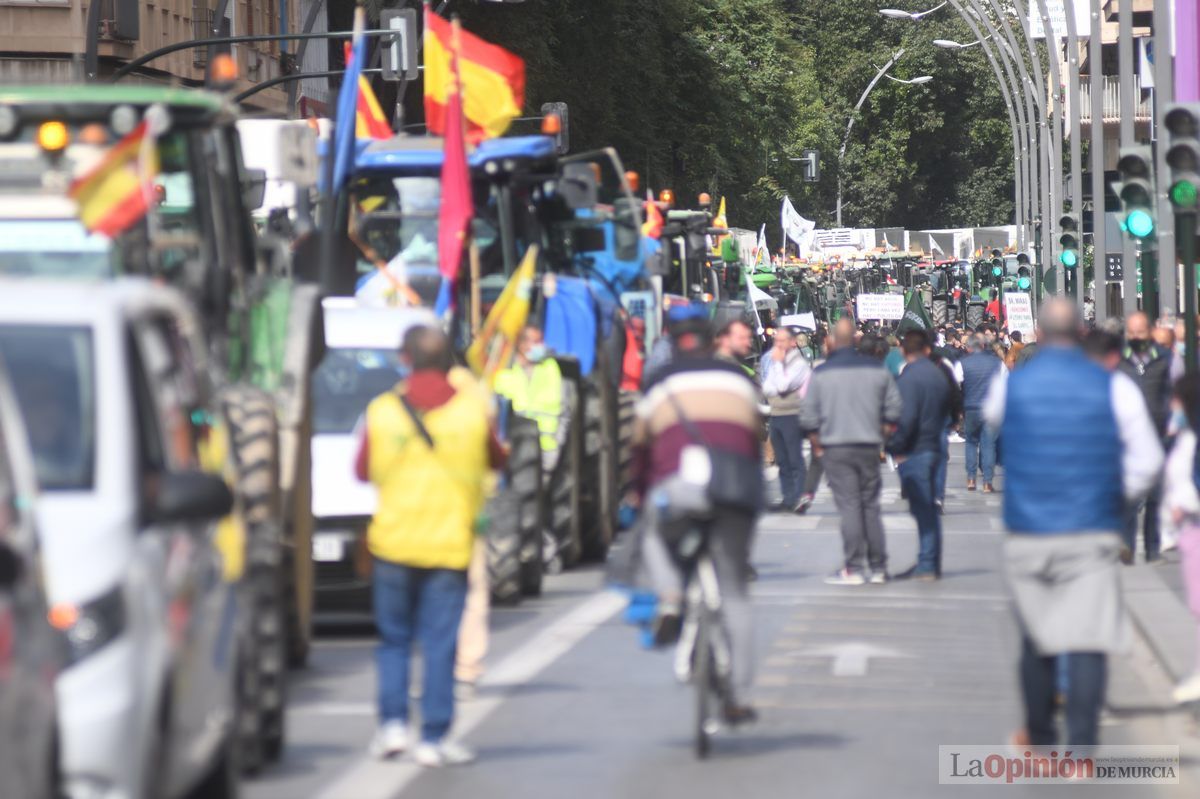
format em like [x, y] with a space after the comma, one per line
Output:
[702, 680]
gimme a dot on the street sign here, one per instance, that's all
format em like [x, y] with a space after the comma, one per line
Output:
[1114, 268]
[399, 61]
[1020, 313]
[880, 306]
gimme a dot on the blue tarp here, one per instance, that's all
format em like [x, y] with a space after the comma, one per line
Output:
[571, 322]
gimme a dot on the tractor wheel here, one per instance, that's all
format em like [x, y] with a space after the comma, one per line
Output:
[525, 483]
[504, 548]
[562, 495]
[253, 437]
[595, 463]
[298, 571]
[626, 419]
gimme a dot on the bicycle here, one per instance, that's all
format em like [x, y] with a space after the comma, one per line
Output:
[702, 656]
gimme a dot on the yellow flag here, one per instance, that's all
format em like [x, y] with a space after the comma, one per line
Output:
[492, 350]
[721, 222]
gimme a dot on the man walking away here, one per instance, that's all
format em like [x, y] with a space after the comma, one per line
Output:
[1080, 444]
[1154, 370]
[427, 447]
[698, 402]
[784, 373]
[978, 369]
[851, 405]
[916, 445]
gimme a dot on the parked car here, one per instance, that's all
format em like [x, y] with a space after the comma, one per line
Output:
[109, 377]
[361, 362]
[31, 651]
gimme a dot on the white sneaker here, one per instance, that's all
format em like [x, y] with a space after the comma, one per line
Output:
[446, 753]
[390, 739]
[1188, 690]
[955, 438]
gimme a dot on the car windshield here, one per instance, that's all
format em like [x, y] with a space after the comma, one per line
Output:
[54, 248]
[347, 380]
[398, 216]
[52, 372]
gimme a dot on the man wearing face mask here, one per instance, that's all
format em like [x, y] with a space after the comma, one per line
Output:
[534, 386]
[1154, 369]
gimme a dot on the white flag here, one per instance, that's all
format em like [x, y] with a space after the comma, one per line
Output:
[934, 246]
[763, 255]
[794, 226]
[752, 296]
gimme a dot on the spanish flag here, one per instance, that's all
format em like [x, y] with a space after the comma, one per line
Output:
[493, 348]
[370, 122]
[493, 81]
[117, 192]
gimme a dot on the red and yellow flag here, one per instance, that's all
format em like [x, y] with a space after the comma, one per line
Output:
[118, 191]
[370, 121]
[493, 81]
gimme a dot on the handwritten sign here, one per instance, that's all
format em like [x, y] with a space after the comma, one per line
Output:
[880, 306]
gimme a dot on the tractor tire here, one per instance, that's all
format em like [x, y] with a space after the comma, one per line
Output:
[593, 474]
[562, 495]
[525, 483]
[254, 438]
[298, 570]
[626, 419]
[504, 548]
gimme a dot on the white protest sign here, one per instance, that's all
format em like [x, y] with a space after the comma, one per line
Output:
[804, 321]
[1058, 18]
[1020, 314]
[880, 306]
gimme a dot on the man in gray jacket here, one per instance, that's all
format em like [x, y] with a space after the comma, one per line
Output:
[851, 407]
[784, 372]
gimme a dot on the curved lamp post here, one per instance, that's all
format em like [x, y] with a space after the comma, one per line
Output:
[895, 13]
[853, 114]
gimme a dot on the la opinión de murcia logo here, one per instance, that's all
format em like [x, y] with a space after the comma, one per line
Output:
[1117, 765]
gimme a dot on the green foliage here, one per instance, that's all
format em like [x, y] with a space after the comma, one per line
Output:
[717, 95]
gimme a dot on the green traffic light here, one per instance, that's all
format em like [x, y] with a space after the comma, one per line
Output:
[1023, 283]
[1069, 258]
[1139, 223]
[997, 271]
[1183, 194]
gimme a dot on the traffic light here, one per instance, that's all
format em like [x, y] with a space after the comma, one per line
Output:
[1183, 155]
[1024, 279]
[1136, 166]
[997, 266]
[1069, 240]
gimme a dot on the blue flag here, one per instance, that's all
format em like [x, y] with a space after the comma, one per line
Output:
[347, 104]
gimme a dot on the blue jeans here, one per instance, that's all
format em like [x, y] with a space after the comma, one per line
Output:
[981, 446]
[1086, 680]
[427, 603]
[939, 469]
[917, 479]
[788, 443]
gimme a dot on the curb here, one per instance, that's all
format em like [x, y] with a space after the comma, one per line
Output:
[1162, 618]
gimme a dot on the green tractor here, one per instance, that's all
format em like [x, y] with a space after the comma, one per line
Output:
[262, 319]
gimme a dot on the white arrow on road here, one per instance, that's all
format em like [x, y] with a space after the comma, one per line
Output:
[851, 658]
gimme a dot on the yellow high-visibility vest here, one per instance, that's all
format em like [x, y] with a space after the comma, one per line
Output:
[428, 498]
[537, 395]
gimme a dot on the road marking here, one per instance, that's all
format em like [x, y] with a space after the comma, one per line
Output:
[851, 658]
[373, 779]
[335, 709]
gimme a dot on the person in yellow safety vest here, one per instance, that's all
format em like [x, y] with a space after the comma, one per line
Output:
[534, 386]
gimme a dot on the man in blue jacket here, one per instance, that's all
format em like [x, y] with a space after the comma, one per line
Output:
[916, 446]
[1079, 444]
[978, 369]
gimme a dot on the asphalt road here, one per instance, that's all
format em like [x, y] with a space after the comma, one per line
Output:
[857, 687]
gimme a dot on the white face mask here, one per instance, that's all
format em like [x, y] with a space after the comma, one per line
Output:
[536, 353]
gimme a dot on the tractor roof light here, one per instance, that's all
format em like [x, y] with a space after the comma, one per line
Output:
[53, 137]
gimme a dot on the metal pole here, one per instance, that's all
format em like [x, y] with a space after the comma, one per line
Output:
[1164, 85]
[292, 77]
[1075, 179]
[850, 125]
[1056, 160]
[1049, 213]
[1185, 234]
[1126, 67]
[1035, 100]
[1099, 232]
[1016, 117]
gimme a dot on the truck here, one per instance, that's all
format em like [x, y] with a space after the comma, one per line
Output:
[258, 303]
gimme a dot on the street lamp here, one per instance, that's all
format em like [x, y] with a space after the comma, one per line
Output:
[895, 13]
[850, 122]
[917, 81]
[950, 44]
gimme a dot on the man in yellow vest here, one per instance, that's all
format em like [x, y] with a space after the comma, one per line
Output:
[534, 386]
[427, 447]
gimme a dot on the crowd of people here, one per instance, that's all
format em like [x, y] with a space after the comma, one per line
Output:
[1079, 421]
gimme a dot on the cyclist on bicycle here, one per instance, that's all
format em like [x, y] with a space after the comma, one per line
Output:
[700, 408]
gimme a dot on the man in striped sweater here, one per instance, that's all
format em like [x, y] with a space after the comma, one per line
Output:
[698, 399]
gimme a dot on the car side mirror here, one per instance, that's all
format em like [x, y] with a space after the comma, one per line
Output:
[192, 496]
[11, 567]
[577, 186]
[254, 188]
